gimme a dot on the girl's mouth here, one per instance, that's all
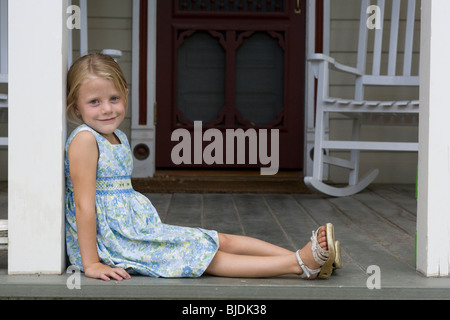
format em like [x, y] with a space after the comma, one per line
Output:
[106, 120]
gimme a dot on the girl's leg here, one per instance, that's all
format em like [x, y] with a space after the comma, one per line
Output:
[249, 246]
[228, 264]
[233, 265]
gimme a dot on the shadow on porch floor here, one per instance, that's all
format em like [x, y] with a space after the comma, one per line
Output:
[376, 227]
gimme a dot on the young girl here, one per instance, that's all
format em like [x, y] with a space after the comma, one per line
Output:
[113, 231]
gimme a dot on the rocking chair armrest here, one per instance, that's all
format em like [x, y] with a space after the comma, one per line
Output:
[317, 58]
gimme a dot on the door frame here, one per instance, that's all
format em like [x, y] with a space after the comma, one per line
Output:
[317, 41]
[145, 134]
[143, 88]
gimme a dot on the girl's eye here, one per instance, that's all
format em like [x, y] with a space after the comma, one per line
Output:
[95, 101]
[114, 99]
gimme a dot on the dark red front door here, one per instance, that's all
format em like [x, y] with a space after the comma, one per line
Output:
[227, 66]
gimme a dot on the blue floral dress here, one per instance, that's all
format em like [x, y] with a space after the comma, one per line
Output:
[130, 233]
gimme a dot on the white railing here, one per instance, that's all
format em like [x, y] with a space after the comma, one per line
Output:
[3, 96]
[3, 234]
[3, 58]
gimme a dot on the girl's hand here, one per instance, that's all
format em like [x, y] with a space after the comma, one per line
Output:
[100, 271]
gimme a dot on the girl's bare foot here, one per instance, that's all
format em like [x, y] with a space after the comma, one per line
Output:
[306, 253]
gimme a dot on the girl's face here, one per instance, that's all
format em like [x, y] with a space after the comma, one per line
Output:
[101, 106]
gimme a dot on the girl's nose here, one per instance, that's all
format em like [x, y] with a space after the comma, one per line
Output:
[106, 108]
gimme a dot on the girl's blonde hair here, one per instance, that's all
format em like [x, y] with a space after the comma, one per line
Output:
[96, 64]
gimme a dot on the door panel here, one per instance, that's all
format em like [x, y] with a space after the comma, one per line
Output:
[201, 77]
[260, 78]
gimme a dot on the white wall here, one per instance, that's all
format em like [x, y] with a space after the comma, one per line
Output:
[37, 78]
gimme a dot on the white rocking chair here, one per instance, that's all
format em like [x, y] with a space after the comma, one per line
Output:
[360, 110]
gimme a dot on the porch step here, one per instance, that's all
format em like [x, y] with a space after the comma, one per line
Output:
[221, 181]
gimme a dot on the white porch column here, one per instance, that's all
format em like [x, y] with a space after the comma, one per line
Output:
[433, 220]
[37, 71]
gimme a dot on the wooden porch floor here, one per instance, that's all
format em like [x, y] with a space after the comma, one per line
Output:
[375, 227]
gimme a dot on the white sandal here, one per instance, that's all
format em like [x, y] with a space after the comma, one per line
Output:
[327, 259]
[338, 260]
[307, 272]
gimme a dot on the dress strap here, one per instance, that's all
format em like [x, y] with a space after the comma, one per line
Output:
[79, 129]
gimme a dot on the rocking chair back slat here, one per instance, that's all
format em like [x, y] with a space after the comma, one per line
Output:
[362, 49]
[409, 37]
[393, 41]
[378, 43]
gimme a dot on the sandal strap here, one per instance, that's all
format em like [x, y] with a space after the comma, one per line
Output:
[320, 255]
[307, 272]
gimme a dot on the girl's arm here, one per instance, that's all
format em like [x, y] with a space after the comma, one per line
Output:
[83, 159]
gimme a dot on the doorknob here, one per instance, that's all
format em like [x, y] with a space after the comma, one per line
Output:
[297, 8]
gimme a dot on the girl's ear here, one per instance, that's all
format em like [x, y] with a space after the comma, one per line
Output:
[77, 112]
